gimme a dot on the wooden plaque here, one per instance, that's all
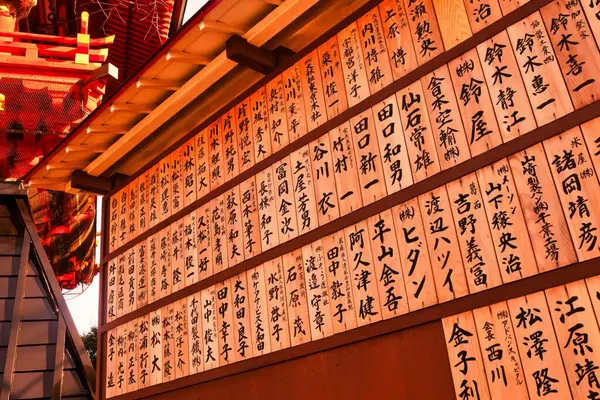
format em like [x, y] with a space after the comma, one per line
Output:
[233, 226]
[206, 263]
[133, 216]
[121, 285]
[592, 11]
[294, 102]
[242, 331]
[474, 102]
[507, 222]
[466, 361]
[209, 326]
[276, 309]
[547, 226]
[215, 153]
[176, 160]
[426, 36]
[277, 115]
[245, 145]
[190, 249]
[111, 363]
[111, 290]
[177, 256]
[250, 218]
[542, 364]
[195, 333]
[366, 150]
[131, 365]
[113, 237]
[319, 311]
[508, 6]
[577, 184]
[188, 171]
[267, 209]
[398, 37]
[443, 245]
[482, 13]
[312, 89]
[322, 170]
[345, 169]
[374, 50]
[143, 346]
[498, 346]
[219, 234]
[508, 93]
[285, 208]
[121, 371]
[230, 146]
[417, 132]
[353, 64]
[168, 342]
[153, 243]
[412, 246]
[165, 273]
[259, 318]
[575, 48]
[143, 204]
[224, 322]
[392, 146]
[296, 298]
[453, 21]
[479, 258]
[304, 195]
[123, 211]
[339, 280]
[153, 195]
[202, 164]
[180, 328]
[131, 281]
[260, 124]
[330, 64]
[164, 189]
[388, 268]
[591, 134]
[156, 349]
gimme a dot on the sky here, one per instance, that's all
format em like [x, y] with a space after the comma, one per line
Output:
[191, 7]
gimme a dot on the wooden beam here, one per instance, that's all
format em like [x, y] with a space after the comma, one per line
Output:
[218, 26]
[105, 70]
[107, 129]
[239, 50]
[163, 84]
[93, 184]
[85, 148]
[15, 323]
[274, 2]
[189, 58]
[59, 359]
[131, 107]
[66, 165]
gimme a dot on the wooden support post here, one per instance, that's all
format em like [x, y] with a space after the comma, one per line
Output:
[94, 184]
[239, 50]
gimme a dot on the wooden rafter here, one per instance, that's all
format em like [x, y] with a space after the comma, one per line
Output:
[158, 84]
[217, 26]
[189, 58]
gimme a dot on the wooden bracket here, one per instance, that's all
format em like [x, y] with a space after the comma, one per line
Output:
[261, 60]
[93, 184]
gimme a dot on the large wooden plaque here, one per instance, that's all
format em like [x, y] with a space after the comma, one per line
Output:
[296, 298]
[276, 309]
[317, 293]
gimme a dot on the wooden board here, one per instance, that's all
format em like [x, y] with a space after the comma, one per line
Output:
[479, 258]
[296, 298]
[131, 281]
[176, 160]
[168, 342]
[453, 20]
[177, 256]
[547, 226]
[209, 327]
[339, 280]
[443, 245]
[216, 154]
[506, 221]
[294, 102]
[231, 161]
[277, 116]
[143, 346]
[188, 171]
[345, 169]
[304, 195]
[233, 226]
[111, 290]
[141, 251]
[219, 234]
[577, 184]
[374, 50]
[353, 65]
[317, 293]
[474, 102]
[111, 363]
[224, 322]
[592, 12]
[123, 208]
[206, 263]
[417, 132]
[121, 285]
[366, 151]
[133, 218]
[392, 145]
[412, 246]
[276, 308]
[286, 216]
[508, 93]
[482, 13]
[132, 370]
[539, 350]
[591, 135]
[243, 124]
[164, 189]
[426, 36]
[501, 358]
[578, 335]
[156, 350]
[121, 372]
[267, 209]
[202, 164]
[260, 124]
[113, 235]
[153, 243]
[541, 74]
[165, 275]
[466, 361]
[153, 195]
[180, 330]
[190, 249]
[312, 88]
[259, 319]
[250, 218]
[388, 268]
[242, 331]
[195, 333]
[575, 48]
[330, 64]
[324, 181]
[397, 34]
